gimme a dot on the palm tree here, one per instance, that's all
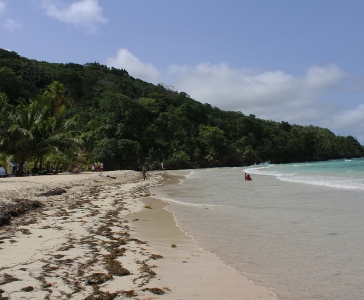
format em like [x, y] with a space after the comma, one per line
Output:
[56, 92]
[4, 107]
[34, 131]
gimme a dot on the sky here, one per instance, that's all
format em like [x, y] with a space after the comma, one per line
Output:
[286, 60]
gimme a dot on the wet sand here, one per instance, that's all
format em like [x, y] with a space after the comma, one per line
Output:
[105, 238]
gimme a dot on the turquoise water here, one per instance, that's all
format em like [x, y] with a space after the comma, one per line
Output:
[297, 229]
[345, 174]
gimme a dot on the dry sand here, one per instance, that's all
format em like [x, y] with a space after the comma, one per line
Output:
[104, 238]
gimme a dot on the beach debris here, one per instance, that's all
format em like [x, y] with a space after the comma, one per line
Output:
[166, 288]
[25, 231]
[138, 241]
[109, 238]
[129, 294]
[155, 256]
[144, 194]
[49, 268]
[104, 230]
[66, 248]
[27, 289]
[115, 252]
[146, 274]
[7, 278]
[98, 278]
[148, 206]
[16, 208]
[174, 246]
[145, 268]
[114, 267]
[155, 291]
[1, 295]
[54, 192]
[99, 295]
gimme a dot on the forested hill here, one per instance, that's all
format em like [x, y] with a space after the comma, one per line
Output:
[104, 114]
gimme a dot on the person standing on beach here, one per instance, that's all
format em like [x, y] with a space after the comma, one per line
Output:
[144, 169]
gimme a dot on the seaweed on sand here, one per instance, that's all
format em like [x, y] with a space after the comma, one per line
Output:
[115, 252]
[104, 231]
[56, 191]
[99, 295]
[27, 289]
[7, 278]
[147, 269]
[66, 248]
[114, 267]
[1, 295]
[129, 294]
[98, 278]
[138, 241]
[25, 231]
[17, 208]
[155, 291]
[155, 256]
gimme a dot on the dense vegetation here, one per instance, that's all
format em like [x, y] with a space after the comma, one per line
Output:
[76, 114]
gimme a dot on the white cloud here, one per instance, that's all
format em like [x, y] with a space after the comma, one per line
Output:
[323, 77]
[349, 120]
[9, 24]
[126, 60]
[275, 95]
[12, 25]
[270, 95]
[83, 13]
[2, 7]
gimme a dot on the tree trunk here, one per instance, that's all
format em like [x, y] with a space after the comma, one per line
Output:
[19, 172]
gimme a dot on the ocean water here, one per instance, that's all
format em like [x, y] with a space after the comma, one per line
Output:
[297, 229]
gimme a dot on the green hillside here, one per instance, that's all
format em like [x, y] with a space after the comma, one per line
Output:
[73, 115]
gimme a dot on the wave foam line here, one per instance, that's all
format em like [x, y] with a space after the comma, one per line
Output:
[168, 200]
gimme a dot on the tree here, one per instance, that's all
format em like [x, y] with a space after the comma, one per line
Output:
[72, 82]
[56, 92]
[214, 143]
[126, 120]
[32, 132]
[10, 83]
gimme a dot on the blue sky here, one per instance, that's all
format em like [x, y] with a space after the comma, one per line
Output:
[285, 60]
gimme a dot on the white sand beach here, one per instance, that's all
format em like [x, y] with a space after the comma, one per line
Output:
[103, 238]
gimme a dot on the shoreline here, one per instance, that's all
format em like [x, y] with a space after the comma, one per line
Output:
[188, 270]
[93, 242]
